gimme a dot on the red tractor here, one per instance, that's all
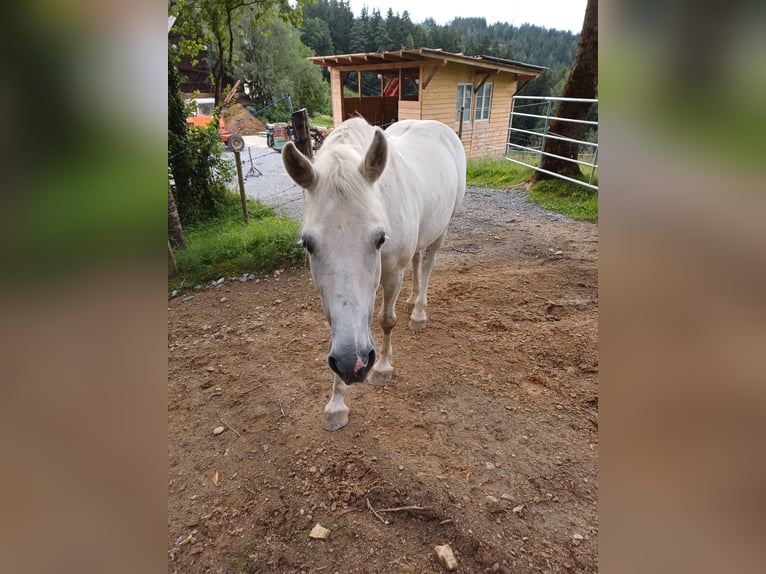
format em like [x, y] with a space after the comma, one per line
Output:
[203, 115]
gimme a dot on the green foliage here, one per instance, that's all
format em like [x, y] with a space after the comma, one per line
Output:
[273, 62]
[195, 162]
[225, 246]
[576, 201]
[215, 24]
[496, 173]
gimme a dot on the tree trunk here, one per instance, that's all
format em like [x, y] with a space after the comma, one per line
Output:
[172, 267]
[175, 231]
[582, 83]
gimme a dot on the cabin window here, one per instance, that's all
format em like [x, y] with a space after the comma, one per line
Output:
[371, 84]
[464, 92]
[410, 84]
[483, 102]
[350, 83]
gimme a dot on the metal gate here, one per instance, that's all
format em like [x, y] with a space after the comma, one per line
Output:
[525, 144]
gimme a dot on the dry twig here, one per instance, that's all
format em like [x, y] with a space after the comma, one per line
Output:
[383, 520]
[401, 508]
[227, 424]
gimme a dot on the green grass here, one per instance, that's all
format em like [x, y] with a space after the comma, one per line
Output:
[321, 120]
[576, 201]
[227, 247]
[496, 173]
[558, 195]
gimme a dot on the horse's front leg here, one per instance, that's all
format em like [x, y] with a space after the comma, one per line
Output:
[336, 411]
[418, 318]
[382, 372]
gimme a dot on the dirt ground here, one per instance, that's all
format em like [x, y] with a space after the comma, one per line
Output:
[486, 439]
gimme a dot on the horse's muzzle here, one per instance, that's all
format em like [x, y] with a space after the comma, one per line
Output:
[350, 367]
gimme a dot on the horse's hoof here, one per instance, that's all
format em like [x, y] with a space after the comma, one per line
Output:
[335, 421]
[417, 324]
[378, 378]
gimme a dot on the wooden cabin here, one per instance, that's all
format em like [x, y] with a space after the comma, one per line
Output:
[430, 84]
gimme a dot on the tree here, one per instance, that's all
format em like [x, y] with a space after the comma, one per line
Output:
[216, 23]
[315, 33]
[582, 83]
[273, 62]
[175, 230]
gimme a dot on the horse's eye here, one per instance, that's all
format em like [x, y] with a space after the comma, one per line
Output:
[380, 241]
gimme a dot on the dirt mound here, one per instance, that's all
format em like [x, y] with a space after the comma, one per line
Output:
[242, 122]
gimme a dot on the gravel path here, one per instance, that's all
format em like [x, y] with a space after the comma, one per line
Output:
[268, 183]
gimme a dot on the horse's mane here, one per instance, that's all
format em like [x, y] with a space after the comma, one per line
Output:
[337, 164]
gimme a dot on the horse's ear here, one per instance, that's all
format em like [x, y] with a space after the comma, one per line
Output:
[377, 155]
[298, 167]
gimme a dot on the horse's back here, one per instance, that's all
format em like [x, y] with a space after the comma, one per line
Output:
[432, 150]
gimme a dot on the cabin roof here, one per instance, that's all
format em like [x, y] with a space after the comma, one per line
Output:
[403, 58]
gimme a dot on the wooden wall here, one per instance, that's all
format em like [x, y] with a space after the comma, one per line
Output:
[437, 102]
[482, 138]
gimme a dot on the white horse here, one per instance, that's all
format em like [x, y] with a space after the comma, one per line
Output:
[374, 202]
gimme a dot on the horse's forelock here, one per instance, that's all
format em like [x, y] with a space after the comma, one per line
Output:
[337, 165]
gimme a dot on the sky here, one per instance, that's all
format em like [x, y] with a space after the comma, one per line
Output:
[558, 14]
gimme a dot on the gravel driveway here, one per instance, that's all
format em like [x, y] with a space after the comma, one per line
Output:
[266, 181]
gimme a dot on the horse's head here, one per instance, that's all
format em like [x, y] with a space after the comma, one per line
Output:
[344, 228]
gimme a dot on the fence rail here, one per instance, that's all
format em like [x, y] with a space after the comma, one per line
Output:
[525, 141]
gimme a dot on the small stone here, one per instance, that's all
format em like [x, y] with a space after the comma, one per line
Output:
[492, 499]
[187, 298]
[518, 509]
[446, 557]
[250, 277]
[210, 369]
[489, 465]
[218, 430]
[265, 448]
[220, 281]
[223, 300]
[174, 293]
[197, 548]
[312, 469]
[506, 496]
[319, 532]
[577, 538]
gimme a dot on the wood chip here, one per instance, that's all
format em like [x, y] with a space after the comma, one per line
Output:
[446, 557]
[319, 532]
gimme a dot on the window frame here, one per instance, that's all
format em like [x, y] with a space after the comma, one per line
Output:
[486, 99]
[467, 88]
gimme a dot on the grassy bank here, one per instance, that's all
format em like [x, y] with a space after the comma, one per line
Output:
[576, 201]
[227, 247]
[496, 173]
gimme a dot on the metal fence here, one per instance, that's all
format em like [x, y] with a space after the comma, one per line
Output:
[529, 129]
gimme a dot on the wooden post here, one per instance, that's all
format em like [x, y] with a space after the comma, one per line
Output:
[241, 181]
[302, 132]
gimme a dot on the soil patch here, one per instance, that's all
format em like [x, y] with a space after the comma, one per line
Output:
[486, 439]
